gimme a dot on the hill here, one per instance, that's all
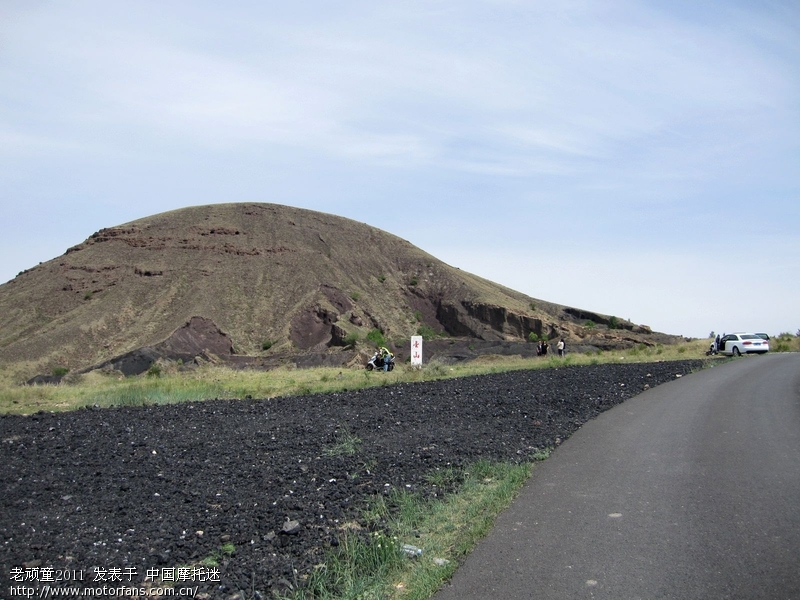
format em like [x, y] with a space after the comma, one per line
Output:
[267, 282]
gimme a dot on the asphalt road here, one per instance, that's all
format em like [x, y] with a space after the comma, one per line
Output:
[689, 490]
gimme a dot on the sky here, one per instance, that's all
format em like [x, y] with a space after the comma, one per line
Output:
[635, 158]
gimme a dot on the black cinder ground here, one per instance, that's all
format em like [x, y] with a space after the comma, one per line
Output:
[149, 488]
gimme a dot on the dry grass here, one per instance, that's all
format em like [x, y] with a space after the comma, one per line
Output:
[209, 382]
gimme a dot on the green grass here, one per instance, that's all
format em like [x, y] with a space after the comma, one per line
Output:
[414, 544]
[346, 443]
[214, 559]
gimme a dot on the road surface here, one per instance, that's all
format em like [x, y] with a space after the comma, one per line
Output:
[689, 491]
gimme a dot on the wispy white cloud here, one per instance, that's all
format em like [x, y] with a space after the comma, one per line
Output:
[578, 118]
[571, 83]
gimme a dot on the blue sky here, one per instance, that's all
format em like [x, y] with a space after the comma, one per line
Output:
[640, 159]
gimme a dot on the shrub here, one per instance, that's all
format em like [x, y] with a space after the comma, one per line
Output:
[154, 371]
[88, 295]
[613, 323]
[351, 339]
[266, 345]
[414, 281]
[533, 306]
[376, 336]
[532, 337]
[418, 315]
[381, 278]
[60, 371]
[589, 324]
[426, 331]
[355, 296]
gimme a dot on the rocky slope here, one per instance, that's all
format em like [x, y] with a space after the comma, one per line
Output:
[299, 282]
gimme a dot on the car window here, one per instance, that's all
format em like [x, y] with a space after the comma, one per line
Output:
[750, 337]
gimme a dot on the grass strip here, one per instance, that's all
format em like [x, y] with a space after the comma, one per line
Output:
[173, 385]
[416, 542]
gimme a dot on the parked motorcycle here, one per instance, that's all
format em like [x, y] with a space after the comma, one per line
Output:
[376, 362]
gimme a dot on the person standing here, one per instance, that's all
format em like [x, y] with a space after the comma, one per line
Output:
[562, 347]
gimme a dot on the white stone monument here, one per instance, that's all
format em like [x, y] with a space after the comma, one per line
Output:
[416, 350]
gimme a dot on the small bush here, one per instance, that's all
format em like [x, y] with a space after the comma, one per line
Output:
[613, 323]
[60, 371]
[154, 371]
[533, 337]
[88, 295]
[355, 296]
[351, 339]
[376, 336]
[426, 331]
[381, 278]
[418, 316]
[414, 281]
[533, 306]
[589, 324]
[266, 345]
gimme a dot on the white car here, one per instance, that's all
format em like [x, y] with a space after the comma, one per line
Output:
[736, 344]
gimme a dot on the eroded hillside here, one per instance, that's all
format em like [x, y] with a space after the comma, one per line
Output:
[298, 281]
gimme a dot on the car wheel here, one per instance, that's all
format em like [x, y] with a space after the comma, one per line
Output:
[736, 351]
[369, 367]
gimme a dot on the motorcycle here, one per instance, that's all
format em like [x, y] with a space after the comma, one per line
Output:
[376, 363]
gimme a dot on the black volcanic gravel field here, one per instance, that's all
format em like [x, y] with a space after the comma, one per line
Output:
[141, 490]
